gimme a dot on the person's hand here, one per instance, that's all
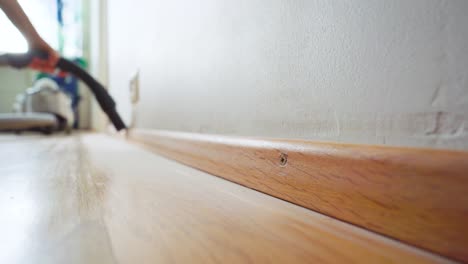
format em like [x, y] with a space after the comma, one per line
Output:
[16, 14]
[44, 65]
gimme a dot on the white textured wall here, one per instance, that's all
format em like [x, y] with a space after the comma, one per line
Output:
[380, 72]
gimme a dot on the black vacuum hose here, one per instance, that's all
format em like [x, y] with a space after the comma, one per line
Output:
[105, 101]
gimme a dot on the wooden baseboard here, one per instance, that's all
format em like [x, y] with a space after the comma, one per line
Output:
[418, 196]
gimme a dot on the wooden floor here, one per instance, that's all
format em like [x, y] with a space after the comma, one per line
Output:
[95, 199]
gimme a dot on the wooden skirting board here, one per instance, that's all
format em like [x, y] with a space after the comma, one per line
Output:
[418, 196]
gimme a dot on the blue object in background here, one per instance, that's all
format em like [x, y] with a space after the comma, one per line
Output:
[70, 44]
[68, 84]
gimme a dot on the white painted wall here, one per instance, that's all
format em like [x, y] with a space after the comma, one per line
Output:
[374, 71]
[12, 82]
[98, 55]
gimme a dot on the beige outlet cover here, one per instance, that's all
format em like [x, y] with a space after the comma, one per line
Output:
[135, 87]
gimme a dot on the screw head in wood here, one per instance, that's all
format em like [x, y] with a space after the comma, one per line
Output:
[283, 159]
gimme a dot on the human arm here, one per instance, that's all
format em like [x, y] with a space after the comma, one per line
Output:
[19, 18]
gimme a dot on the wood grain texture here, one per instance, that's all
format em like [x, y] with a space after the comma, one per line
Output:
[93, 199]
[414, 195]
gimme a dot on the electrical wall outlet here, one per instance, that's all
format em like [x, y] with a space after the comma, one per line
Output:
[134, 86]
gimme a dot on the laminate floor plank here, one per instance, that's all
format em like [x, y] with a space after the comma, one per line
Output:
[89, 198]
